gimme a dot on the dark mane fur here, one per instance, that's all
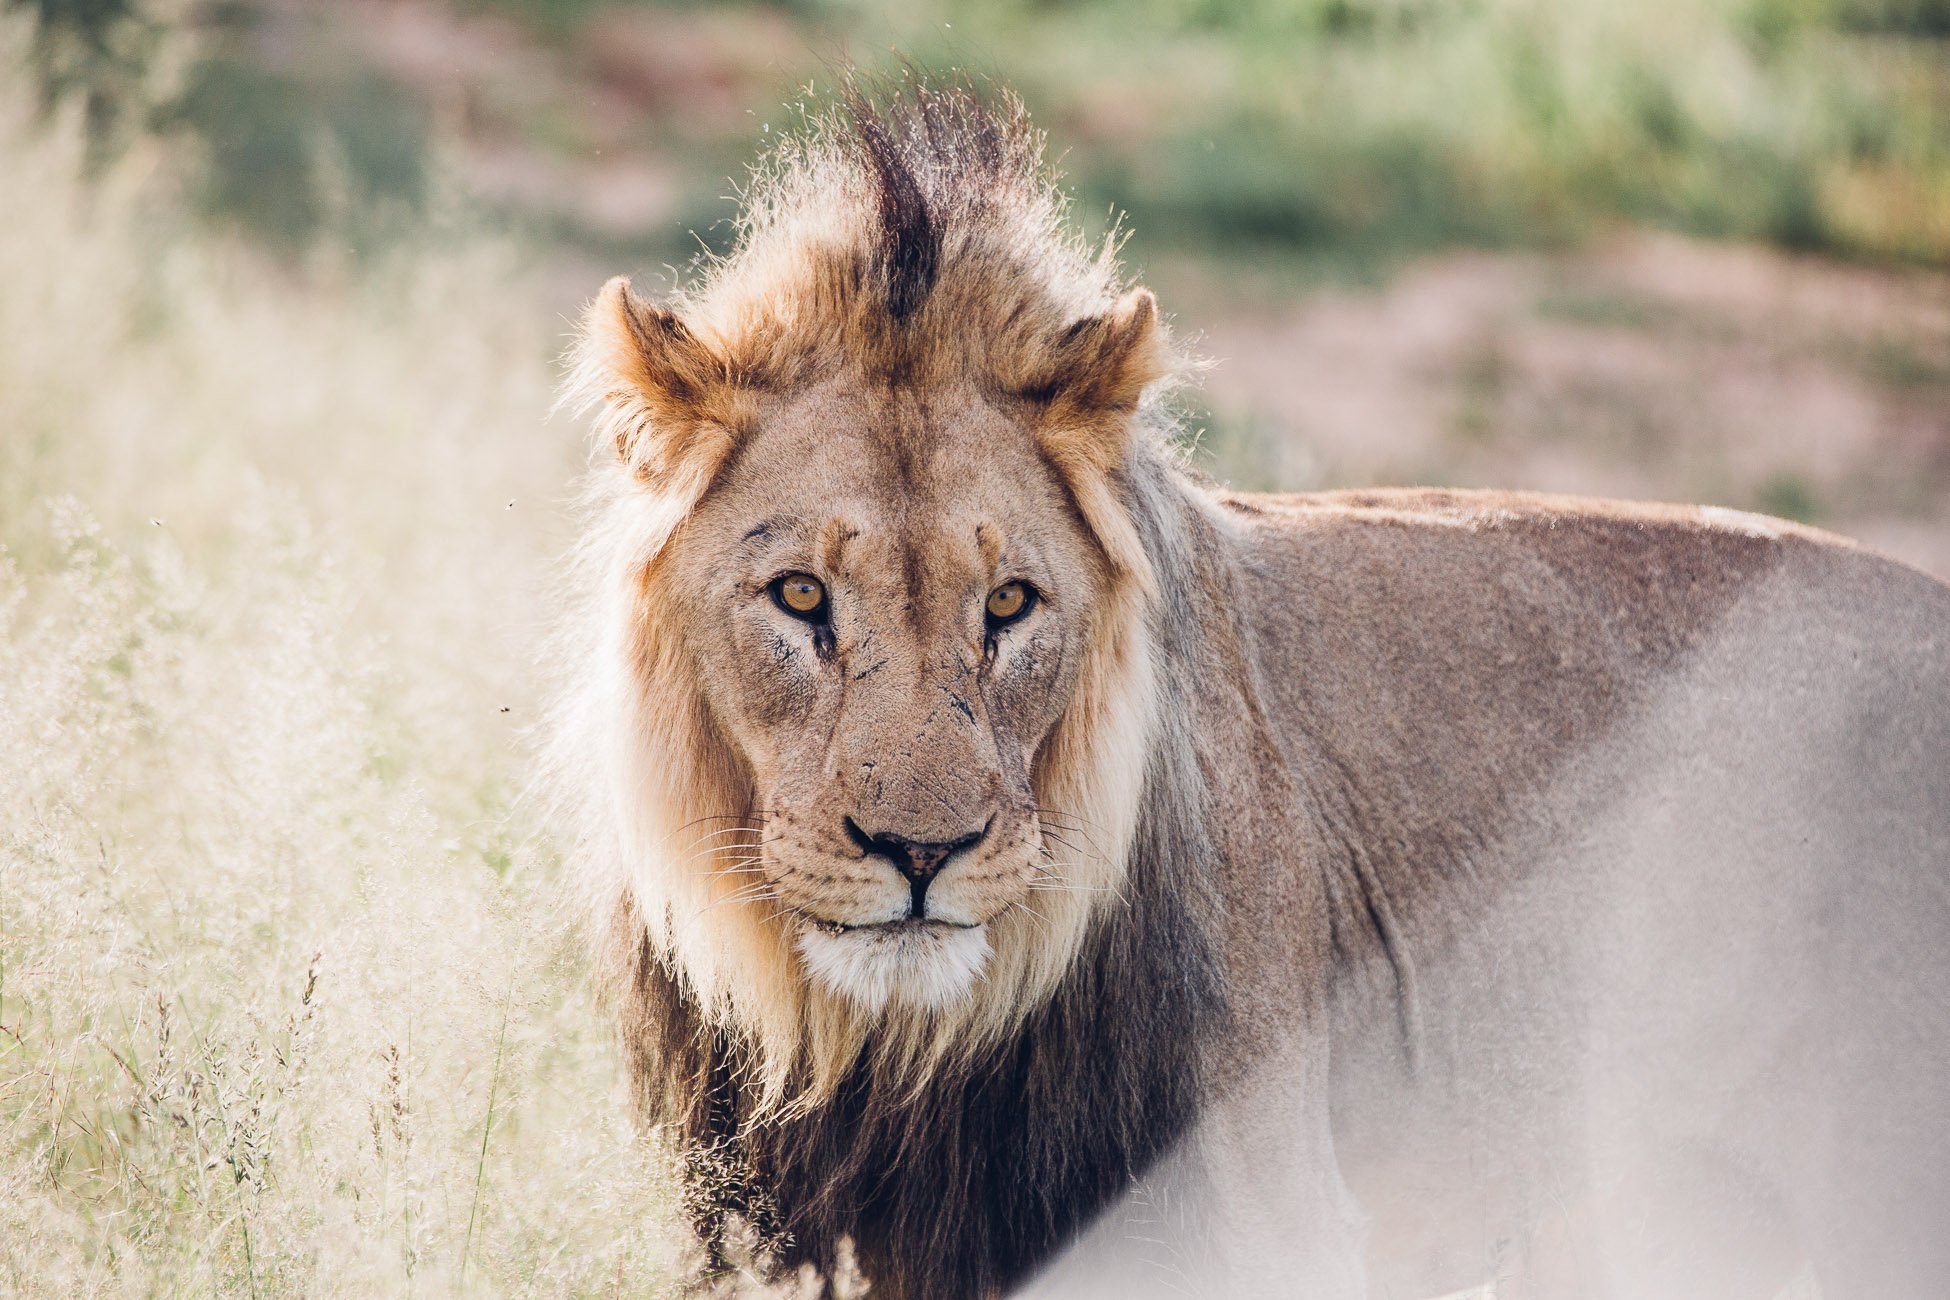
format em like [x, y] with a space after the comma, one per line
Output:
[932, 157]
[914, 229]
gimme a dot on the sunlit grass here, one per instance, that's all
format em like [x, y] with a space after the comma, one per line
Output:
[286, 1001]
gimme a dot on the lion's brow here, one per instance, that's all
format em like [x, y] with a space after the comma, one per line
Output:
[834, 535]
[989, 544]
[772, 532]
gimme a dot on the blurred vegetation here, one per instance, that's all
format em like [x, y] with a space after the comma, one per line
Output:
[279, 147]
[95, 51]
[273, 139]
[1350, 130]
[1384, 125]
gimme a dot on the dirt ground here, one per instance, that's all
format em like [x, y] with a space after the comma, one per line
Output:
[1651, 367]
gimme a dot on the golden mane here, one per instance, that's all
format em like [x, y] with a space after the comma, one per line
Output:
[922, 239]
[926, 235]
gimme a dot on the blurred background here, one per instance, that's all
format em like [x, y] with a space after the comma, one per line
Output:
[1688, 249]
[290, 1002]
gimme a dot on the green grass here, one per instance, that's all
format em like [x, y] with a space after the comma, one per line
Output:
[1255, 131]
[1406, 126]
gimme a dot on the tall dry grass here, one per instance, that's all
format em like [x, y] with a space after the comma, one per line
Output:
[286, 1006]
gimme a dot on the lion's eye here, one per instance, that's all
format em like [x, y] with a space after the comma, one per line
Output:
[1009, 602]
[802, 596]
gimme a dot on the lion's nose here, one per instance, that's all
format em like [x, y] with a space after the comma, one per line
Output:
[920, 861]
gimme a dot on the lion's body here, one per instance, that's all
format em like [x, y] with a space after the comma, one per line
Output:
[1644, 842]
[1632, 829]
[1372, 893]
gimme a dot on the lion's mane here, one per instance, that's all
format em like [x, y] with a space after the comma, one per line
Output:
[954, 1144]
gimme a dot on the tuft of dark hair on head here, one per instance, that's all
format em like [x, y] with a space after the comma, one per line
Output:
[910, 241]
[933, 152]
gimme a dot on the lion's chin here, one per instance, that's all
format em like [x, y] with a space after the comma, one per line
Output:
[920, 964]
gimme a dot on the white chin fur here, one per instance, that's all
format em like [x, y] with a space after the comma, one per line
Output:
[917, 966]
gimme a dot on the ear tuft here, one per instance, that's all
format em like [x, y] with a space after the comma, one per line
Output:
[1132, 351]
[1088, 382]
[1101, 364]
[667, 404]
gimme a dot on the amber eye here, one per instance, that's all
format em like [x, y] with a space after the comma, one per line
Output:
[1009, 602]
[801, 595]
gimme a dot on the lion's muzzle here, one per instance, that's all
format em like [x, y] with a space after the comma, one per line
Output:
[919, 861]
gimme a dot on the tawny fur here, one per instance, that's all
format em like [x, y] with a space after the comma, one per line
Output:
[1260, 774]
[1012, 304]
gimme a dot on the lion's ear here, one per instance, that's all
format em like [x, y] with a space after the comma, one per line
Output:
[1087, 383]
[669, 407]
[1094, 371]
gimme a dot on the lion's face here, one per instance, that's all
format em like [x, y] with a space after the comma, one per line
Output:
[888, 603]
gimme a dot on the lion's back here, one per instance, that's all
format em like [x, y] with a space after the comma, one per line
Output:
[1641, 816]
[1462, 647]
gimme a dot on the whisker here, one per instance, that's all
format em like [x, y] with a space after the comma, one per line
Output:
[718, 850]
[1052, 814]
[761, 898]
[759, 892]
[1050, 882]
[1044, 818]
[705, 855]
[760, 813]
[741, 829]
[1052, 835]
[714, 817]
[720, 834]
[1066, 816]
[1018, 903]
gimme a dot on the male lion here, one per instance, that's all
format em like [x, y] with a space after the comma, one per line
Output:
[1044, 869]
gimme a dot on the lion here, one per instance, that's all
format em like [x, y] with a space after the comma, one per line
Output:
[1020, 863]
